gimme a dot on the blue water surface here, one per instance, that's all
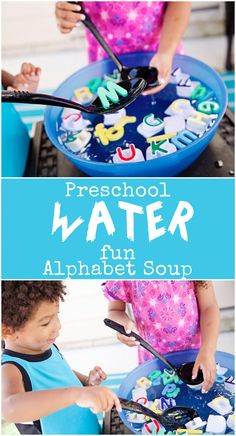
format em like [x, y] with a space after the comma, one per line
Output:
[156, 104]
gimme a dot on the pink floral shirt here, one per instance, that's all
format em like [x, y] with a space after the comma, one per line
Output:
[165, 312]
[126, 26]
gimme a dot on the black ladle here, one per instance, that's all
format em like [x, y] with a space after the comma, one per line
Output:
[171, 418]
[133, 86]
[184, 371]
[149, 74]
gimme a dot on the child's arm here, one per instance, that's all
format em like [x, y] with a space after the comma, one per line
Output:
[175, 22]
[209, 326]
[18, 405]
[116, 312]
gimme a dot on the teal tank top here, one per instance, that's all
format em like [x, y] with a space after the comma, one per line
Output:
[15, 142]
[50, 370]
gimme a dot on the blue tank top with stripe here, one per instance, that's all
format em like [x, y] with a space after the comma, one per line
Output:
[50, 370]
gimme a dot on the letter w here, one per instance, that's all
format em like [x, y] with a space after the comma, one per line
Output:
[63, 223]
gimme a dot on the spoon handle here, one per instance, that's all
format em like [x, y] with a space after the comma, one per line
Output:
[89, 24]
[45, 99]
[119, 328]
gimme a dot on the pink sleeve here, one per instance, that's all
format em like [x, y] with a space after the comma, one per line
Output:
[120, 290]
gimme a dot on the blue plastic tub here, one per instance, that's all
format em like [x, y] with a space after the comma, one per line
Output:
[187, 396]
[169, 165]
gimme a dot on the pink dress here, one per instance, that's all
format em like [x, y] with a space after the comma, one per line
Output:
[126, 26]
[165, 312]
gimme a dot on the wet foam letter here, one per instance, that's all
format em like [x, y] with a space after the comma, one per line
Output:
[111, 93]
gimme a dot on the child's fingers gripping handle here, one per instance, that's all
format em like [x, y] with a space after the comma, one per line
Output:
[120, 328]
[129, 327]
[66, 6]
[81, 8]
[105, 401]
[117, 404]
[127, 340]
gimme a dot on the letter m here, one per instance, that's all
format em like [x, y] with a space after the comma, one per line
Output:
[111, 93]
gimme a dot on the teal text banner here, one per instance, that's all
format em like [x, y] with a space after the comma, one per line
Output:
[118, 228]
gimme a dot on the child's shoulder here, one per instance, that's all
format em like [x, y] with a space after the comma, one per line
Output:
[12, 377]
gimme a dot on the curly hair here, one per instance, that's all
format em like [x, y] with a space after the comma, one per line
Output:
[21, 298]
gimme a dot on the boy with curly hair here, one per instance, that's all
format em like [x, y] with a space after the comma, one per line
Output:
[38, 384]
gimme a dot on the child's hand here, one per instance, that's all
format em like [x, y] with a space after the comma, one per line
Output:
[96, 376]
[98, 399]
[163, 63]
[206, 362]
[27, 79]
[128, 326]
[67, 16]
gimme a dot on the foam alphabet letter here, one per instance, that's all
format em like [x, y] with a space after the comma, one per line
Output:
[111, 93]
[199, 92]
[184, 138]
[209, 107]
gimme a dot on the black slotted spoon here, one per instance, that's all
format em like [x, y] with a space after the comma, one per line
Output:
[184, 371]
[171, 418]
[133, 86]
